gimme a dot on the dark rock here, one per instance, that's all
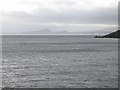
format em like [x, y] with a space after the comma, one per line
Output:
[97, 37]
[111, 35]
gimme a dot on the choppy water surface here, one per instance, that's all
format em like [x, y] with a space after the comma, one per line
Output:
[59, 61]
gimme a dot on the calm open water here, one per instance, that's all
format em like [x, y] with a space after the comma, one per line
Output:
[64, 61]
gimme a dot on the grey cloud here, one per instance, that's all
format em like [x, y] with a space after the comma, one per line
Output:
[20, 21]
[97, 16]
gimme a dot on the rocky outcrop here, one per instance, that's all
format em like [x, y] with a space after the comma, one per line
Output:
[111, 35]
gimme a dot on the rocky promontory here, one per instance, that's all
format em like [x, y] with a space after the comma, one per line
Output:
[111, 35]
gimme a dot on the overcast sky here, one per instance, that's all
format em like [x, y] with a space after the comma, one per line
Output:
[57, 15]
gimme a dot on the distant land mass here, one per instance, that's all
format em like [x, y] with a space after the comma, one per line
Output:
[50, 32]
[45, 32]
[60, 32]
[111, 35]
[63, 32]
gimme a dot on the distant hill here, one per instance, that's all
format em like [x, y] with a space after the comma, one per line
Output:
[51, 32]
[111, 35]
[63, 32]
[45, 32]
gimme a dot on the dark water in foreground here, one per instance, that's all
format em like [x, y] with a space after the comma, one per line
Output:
[59, 61]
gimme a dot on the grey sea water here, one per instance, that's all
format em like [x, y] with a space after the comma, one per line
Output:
[63, 61]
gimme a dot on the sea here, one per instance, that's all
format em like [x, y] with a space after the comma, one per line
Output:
[59, 61]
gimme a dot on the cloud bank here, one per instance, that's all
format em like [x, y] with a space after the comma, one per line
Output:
[59, 15]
